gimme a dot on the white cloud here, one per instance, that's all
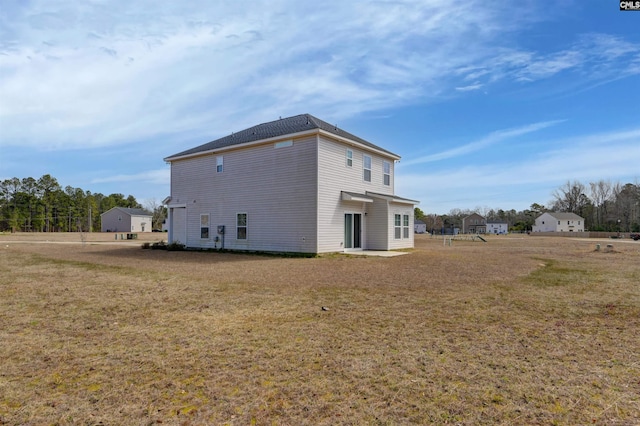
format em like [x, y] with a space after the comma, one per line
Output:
[490, 139]
[86, 75]
[470, 87]
[90, 74]
[160, 176]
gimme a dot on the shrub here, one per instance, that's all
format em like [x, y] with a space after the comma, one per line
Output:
[160, 245]
[176, 247]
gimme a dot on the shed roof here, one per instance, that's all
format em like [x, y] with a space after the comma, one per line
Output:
[273, 129]
[130, 211]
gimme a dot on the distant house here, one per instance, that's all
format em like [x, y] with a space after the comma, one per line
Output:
[298, 184]
[122, 219]
[474, 224]
[559, 222]
[494, 227]
[419, 227]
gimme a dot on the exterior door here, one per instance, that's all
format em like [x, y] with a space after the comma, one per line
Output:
[352, 231]
[178, 226]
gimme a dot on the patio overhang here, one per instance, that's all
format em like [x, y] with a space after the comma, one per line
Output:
[353, 196]
[393, 198]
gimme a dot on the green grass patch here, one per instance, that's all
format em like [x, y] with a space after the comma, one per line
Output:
[554, 273]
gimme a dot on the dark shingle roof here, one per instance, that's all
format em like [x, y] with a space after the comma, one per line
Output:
[135, 212]
[281, 127]
[565, 216]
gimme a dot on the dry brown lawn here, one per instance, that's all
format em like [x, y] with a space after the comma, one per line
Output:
[520, 330]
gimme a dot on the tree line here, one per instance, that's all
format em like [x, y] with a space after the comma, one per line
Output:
[605, 206]
[42, 205]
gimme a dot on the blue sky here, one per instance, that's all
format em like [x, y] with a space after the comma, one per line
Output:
[489, 104]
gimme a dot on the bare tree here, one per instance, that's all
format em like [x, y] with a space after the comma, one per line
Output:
[570, 198]
[600, 195]
[159, 213]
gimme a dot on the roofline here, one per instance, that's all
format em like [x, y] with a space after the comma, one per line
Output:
[561, 213]
[284, 137]
[129, 213]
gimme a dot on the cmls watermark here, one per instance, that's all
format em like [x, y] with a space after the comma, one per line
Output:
[630, 5]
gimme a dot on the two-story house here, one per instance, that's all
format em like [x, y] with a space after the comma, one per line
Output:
[474, 224]
[121, 219]
[497, 227]
[297, 184]
[559, 222]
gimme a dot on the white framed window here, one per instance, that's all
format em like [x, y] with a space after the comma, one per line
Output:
[366, 167]
[397, 225]
[283, 144]
[405, 226]
[241, 226]
[219, 164]
[386, 173]
[204, 226]
[349, 158]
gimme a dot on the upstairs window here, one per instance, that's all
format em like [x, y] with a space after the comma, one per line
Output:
[366, 165]
[386, 170]
[349, 158]
[219, 164]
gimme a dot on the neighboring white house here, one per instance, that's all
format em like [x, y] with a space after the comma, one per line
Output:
[419, 227]
[122, 219]
[297, 184]
[497, 227]
[559, 222]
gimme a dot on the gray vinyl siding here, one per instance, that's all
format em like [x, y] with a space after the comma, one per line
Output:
[274, 186]
[110, 222]
[128, 222]
[335, 176]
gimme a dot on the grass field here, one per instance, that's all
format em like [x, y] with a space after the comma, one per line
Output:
[518, 330]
